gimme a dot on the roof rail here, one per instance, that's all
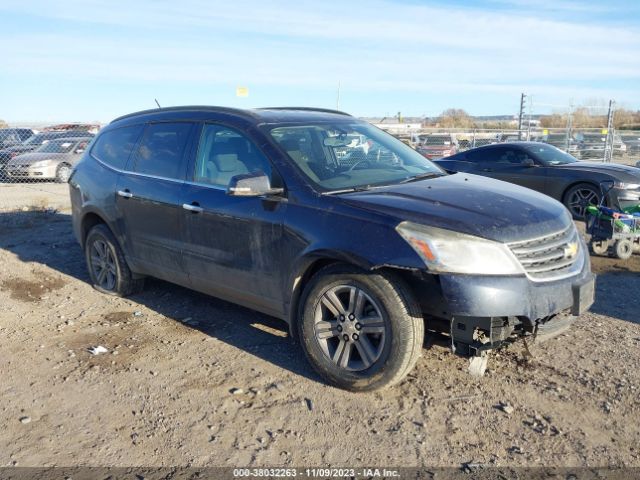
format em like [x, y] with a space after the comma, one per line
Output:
[307, 109]
[237, 111]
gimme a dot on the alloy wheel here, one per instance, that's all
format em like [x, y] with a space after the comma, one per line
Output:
[103, 265]
[580, 199]
[350, 328]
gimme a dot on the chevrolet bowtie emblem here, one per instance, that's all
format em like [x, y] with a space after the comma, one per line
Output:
[571, 250]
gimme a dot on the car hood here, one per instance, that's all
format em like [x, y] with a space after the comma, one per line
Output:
[29, 158]
[618, 171]
[19, 148]
[470, 204]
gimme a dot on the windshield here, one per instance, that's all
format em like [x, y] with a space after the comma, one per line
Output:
[56, 146]
[350, 156]
[37, 139]
[550, 155]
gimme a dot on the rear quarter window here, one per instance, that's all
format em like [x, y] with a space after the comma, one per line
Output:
[114, 146]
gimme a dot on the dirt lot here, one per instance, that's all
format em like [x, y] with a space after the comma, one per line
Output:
[165, 392]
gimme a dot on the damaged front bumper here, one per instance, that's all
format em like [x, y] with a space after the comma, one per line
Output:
[484, 312]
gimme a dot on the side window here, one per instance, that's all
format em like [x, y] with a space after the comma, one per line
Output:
[224, 153]
[513, 157]
[482, 155]
[162, 148]
[114, 146]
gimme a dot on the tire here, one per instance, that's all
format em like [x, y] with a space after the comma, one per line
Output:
[103, 254]
[552, 329]
[578, 197]
[370, 323]
[599, 247]
[623, 249]
[63, 172]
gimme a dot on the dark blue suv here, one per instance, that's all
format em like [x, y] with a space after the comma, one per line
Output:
[354, 239]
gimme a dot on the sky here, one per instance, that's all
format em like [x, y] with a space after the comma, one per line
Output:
[92, 60]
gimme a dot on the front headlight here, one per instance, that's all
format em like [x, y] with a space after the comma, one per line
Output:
[41, 163]
[445, 251]
[627, 186]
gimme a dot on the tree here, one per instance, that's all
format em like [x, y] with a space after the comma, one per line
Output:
[623, 117]
[455, 118]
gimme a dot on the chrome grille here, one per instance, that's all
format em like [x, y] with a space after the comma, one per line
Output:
[550, 257]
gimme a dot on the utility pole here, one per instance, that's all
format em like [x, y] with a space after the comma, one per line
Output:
[338, 97]
[521, 116]
[608, 146]
[569, 130]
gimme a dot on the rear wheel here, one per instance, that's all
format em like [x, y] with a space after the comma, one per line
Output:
[360, 331]
[579, 197]
[63, 172]
[108, 268]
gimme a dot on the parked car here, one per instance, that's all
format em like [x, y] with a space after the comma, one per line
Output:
[632, 142]
[73, 127]
[434, 146]
[591, 146]
[10, 137]
[36, 141]
[51, 161]
[509, 137]
[253, 206]
[565, 143]
[551, 171]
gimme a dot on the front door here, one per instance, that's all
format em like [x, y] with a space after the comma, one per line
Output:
[515, 166]
[232, 245]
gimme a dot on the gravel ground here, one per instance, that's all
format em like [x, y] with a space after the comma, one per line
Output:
[192, 380]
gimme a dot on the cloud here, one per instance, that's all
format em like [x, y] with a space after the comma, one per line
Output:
[374, 46]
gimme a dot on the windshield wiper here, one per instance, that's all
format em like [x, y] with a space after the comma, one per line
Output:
[421, 176]
[362, 188]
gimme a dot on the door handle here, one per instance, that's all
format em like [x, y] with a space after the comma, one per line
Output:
[192, 207]
[125, 193]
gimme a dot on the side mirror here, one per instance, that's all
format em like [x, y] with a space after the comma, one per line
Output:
[255, 184]
[527, 162]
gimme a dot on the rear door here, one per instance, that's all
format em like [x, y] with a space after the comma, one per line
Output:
[148, 199]
[233, 244]
[510, 164]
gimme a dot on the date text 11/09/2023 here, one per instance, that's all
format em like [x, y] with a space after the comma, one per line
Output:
[315, 473]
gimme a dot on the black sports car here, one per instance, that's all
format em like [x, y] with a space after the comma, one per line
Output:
[551, 171]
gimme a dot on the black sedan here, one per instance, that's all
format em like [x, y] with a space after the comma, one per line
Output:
[551, 171]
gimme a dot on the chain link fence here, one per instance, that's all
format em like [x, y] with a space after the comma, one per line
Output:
[35, 163]
[588, 144]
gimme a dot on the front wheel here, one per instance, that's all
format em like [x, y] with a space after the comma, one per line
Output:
[599, 247]
[579, 197]
[361, 331]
